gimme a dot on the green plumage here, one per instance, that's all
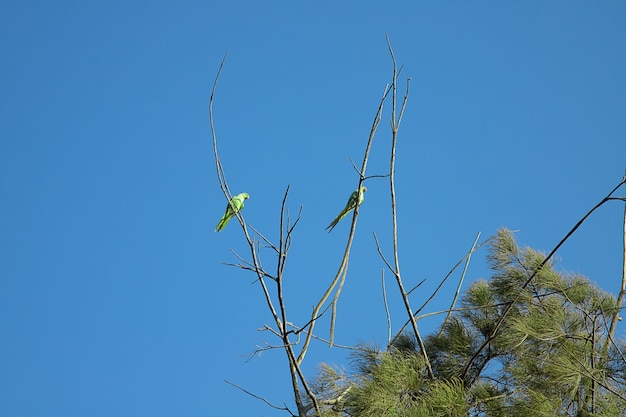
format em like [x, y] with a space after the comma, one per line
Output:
[234, 206]
[355, 198]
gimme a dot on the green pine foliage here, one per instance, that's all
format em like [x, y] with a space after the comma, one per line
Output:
[396, 385]
[551, 356]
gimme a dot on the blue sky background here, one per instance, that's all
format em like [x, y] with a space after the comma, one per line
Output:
[114, 300]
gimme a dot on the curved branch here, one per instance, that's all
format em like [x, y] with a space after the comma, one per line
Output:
[342, 270]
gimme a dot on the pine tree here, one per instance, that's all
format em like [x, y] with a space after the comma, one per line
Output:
[551, 355]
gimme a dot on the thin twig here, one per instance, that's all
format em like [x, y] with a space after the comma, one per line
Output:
[382, 272]
[294, 366]
[243, 261]
[395, 123]
[266, 240]
[622, 292]
[346, 255]
[458, 287]
[255, 264]
[221, 176]
[419, 284]
[333, 313]
[369, 176]
[321, 339]
[343, 268]
[380, 252]
[285, 408]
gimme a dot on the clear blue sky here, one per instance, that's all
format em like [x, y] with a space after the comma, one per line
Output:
[114, 300]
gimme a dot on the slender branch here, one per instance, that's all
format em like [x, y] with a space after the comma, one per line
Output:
[589, 374]
[395, 124]
[464, 258]
[294, 365]
[266, 240]
[243, 261]
[267, 328]
[343, 269]
[321, 339]
[293, 226]
[622, 291]
[311, 320]
[458, 287]
[489, 306]
[285, 408]
[592, 364]
[369, 176]
[248, 268]
[333, 313]
[279, 270]
[419, 284]
[616, 347]
[406, 96]
[346, 255]
[382, 272]
[221, 176]
[380, 252]
[255, 265]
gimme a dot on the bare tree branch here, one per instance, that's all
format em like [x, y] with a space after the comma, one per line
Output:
[419, 284]
[464, 258]
[382, 273]
[285, 408]
[279, 315]
[622, 291]
[395, 124]
[299, 330]
[369, 176]
[380, 252]
[458, 287]
[342, 270]
[266, 240]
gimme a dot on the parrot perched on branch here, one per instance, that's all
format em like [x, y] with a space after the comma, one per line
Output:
[233, 207]
[355, 198]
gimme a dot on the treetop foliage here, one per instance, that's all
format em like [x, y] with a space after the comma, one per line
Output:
[553, 355]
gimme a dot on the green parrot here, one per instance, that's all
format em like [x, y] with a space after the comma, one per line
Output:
[233, 207]
[352, 202]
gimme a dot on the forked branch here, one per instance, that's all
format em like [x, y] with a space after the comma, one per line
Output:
[279, 315]
[395, 125]
[342, 271]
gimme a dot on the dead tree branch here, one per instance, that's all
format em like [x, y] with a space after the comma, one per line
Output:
[458, 287]
[395, 125]
[622, 291]
[343, 267]
[286, 229]
[285, 408]
[382, 272]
